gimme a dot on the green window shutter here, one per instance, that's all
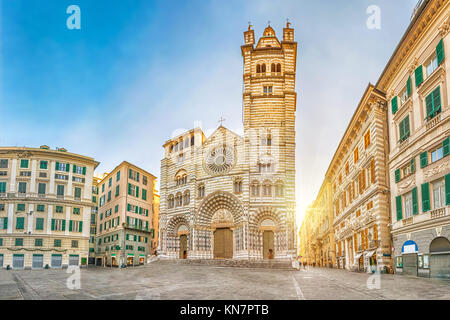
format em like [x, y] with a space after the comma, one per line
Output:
[398, 202]
[74, 168]
[70, 225]
[440, 52]
[413, 165]
[64, 225]
[137, 176]
[39, 223]
[67, 167]
[57, 166]
[129, 173]
[53, 224]
[3, 187]
[128, 220]
[394, 105]
[80, 226]
[136, 209]
[128, 207]
[446, 147]
[406, 127]
[397, 175]
[423, 159]
[414, 201]
[408, 86]
[134, 237]
[418, 74]
[20, 223]
[140, 210]
[137, 191]
[447, 189]
[129, 188]
[84, 170]
[425, 197]
[5, 223]
[401, 130]
[436, 100]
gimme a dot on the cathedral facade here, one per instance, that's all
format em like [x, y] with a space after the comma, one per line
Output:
[228, 196]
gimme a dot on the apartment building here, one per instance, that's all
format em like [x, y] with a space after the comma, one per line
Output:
[416, 84]
[45, 207]
[125, 229]
[360, 188]
[93, 220]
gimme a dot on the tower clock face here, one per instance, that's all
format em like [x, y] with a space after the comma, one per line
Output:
[220, 160]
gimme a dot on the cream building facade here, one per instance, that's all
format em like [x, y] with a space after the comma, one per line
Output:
[45, 207]
[233, 197]
[358, 173]
[416, 83]
[125, 230]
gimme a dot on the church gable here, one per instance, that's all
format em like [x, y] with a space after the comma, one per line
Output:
[222, 135]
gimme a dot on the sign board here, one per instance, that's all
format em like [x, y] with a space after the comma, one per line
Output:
[409, 247]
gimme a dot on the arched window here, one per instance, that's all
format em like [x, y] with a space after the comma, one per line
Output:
[171, 148]
[267, 189]
[171, 201]
[201, 191]
[192, 140]
[279, 189]
[255, 189]
[278, 67]
[237, 186]
[272, 67]
[187, 198]
[178, 200]
[258, 68]
[263, 68]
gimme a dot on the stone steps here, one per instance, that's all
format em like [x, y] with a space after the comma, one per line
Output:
[268, 264]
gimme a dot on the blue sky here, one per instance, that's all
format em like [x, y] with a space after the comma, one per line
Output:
[139, 71]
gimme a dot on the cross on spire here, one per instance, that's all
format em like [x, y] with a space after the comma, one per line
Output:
[221, 120]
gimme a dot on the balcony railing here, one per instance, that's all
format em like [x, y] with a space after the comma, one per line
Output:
[407, 221]
[433, 122]
[438, 213]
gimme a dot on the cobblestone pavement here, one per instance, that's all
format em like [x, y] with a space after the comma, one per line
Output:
[163, 280]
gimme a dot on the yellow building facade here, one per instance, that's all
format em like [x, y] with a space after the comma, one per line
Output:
[125, 230]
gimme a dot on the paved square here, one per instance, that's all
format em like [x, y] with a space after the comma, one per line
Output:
[166, 280]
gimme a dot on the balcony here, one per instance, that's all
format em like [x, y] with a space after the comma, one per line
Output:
[374, 244]
[438, 213]
[431, 123]
[407, 221]
[403, 143]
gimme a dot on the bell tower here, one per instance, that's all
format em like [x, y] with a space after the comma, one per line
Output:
[269, 105]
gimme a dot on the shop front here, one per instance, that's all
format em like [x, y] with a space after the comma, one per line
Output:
[141, 259]
[130, 259]
[409, 258]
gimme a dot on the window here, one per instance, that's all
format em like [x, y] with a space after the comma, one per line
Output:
[57, 243]
[438, 194]
[38, 242]
[41, 188]
[3, 163]
[22, 187]
[79, 170]
[201, 191]
[74, 243]
[23, 163]
[60, 190]
[116, 208]
[408, 205]
[2, 207]
[255, 189]
[76, 210]
[133, 175]
[144, 178]
[237, 186]
[133, 190]
[40, 208]
[267, 190]
[43, 165]
[433, 103]
[20, 207]
[279, 190]
[117, 190]
[187, 198]
[58, 225]
[77, 193]
[18, 242]
[399, 262]
[431, 65]
[437, 154]
[109, 196]
[367, 139]
[171, 202]
[356, 155]
[404, 129]
[404, 96]
[39, 223]
[178, 200]
[20, 221]
[267, 89]
[62, 166]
